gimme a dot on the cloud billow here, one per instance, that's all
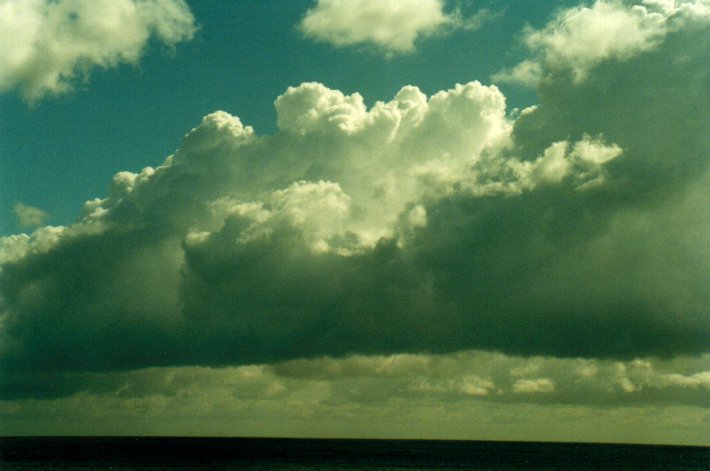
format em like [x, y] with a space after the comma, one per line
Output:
[425, 224]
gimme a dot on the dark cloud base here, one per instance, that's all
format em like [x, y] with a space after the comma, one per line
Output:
[485, 273]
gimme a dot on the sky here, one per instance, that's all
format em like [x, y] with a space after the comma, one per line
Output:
[366, 218]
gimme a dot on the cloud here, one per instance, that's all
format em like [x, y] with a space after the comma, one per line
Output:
[583, 37]
[391, 26]
[425, 224]
[533, 386]
[29, 216]
[487, 376]
[390, 395]
[47, 44]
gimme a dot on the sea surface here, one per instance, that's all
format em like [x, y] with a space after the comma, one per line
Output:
[152, 453]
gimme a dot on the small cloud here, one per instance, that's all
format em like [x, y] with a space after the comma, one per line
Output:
[473, 385]
[46, 44]
[392, 26]
[533, 386]
[29, 216]
[527, 73]
[697, 380]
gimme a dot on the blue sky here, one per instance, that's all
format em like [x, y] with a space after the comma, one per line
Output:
[356, 218]
[63, 150]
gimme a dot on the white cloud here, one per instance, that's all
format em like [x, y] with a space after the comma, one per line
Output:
[533, 386]
[585, 161]
[696, 380]
[642, 376]
[392, 26]
[13, 247]
[29, 216]
[319, 209]
[527, 72]
[369, 165]
[582, 37]
[311, 107]
[45, 45]
[43, 239]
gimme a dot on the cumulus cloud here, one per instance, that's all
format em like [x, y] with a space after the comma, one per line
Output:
[576, 229]
[47, 44]
[392, 26]
[583, 37]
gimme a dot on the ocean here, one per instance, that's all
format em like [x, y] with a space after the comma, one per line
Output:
[152, 453]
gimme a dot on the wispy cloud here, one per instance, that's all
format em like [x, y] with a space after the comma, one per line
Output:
[29, 216]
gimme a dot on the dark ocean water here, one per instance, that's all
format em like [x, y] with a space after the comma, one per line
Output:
[44, 453]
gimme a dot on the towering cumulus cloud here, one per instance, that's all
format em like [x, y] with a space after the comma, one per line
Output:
[46, 44]
[577, 228]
